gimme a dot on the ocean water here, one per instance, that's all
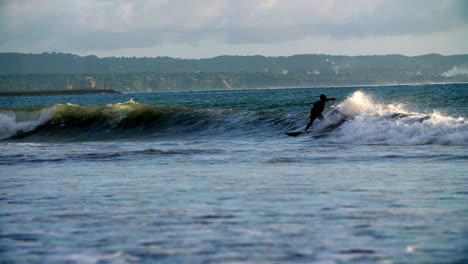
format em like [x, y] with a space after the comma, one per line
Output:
[210, 177]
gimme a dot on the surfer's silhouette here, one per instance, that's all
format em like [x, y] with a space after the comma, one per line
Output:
[317, 109]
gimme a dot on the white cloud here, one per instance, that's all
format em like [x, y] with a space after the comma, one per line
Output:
[266, 4]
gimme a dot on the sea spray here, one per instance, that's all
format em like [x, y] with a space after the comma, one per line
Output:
[375, 123]
[361, 103]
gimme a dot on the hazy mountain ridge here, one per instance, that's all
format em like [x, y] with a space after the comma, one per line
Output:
[20, 71]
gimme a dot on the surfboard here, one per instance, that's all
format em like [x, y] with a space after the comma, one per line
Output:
[294, 133]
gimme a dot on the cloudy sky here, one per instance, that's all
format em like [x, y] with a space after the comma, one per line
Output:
[207, 28]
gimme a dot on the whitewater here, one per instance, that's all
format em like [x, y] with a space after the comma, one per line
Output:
[211, 176]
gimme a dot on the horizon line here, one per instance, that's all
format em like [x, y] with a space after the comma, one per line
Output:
[230, 55]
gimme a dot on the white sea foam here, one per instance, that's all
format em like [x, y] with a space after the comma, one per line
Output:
[94, 257]
[125, 104]
[11, 124]
[373, 123]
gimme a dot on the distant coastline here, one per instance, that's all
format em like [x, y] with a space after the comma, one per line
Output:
[306, 87]
[60, 92]
[29, 72]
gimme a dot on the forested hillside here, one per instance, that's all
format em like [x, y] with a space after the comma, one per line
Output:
[58, 70]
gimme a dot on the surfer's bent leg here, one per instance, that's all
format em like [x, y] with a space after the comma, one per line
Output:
[312, 118]
[311, 121]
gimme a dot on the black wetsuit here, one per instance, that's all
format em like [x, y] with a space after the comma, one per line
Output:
[316, 111]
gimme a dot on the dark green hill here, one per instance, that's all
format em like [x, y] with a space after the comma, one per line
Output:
[54, 63]
[20, 71]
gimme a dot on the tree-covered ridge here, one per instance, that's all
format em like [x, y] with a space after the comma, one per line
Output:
[53, 63]
[59, 71]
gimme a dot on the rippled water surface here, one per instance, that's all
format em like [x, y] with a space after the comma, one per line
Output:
[210, 177]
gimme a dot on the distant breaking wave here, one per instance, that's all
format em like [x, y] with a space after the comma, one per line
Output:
[357, 120]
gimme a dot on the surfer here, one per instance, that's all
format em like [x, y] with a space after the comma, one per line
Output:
[317, 109]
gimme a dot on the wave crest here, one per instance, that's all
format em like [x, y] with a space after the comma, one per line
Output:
[357, 120]
[13, 123]
[133, 120]
[374, 123]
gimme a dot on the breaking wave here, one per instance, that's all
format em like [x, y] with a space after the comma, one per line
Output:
[132, 120]
[374, 123]
[356, 120]
[19, 122]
